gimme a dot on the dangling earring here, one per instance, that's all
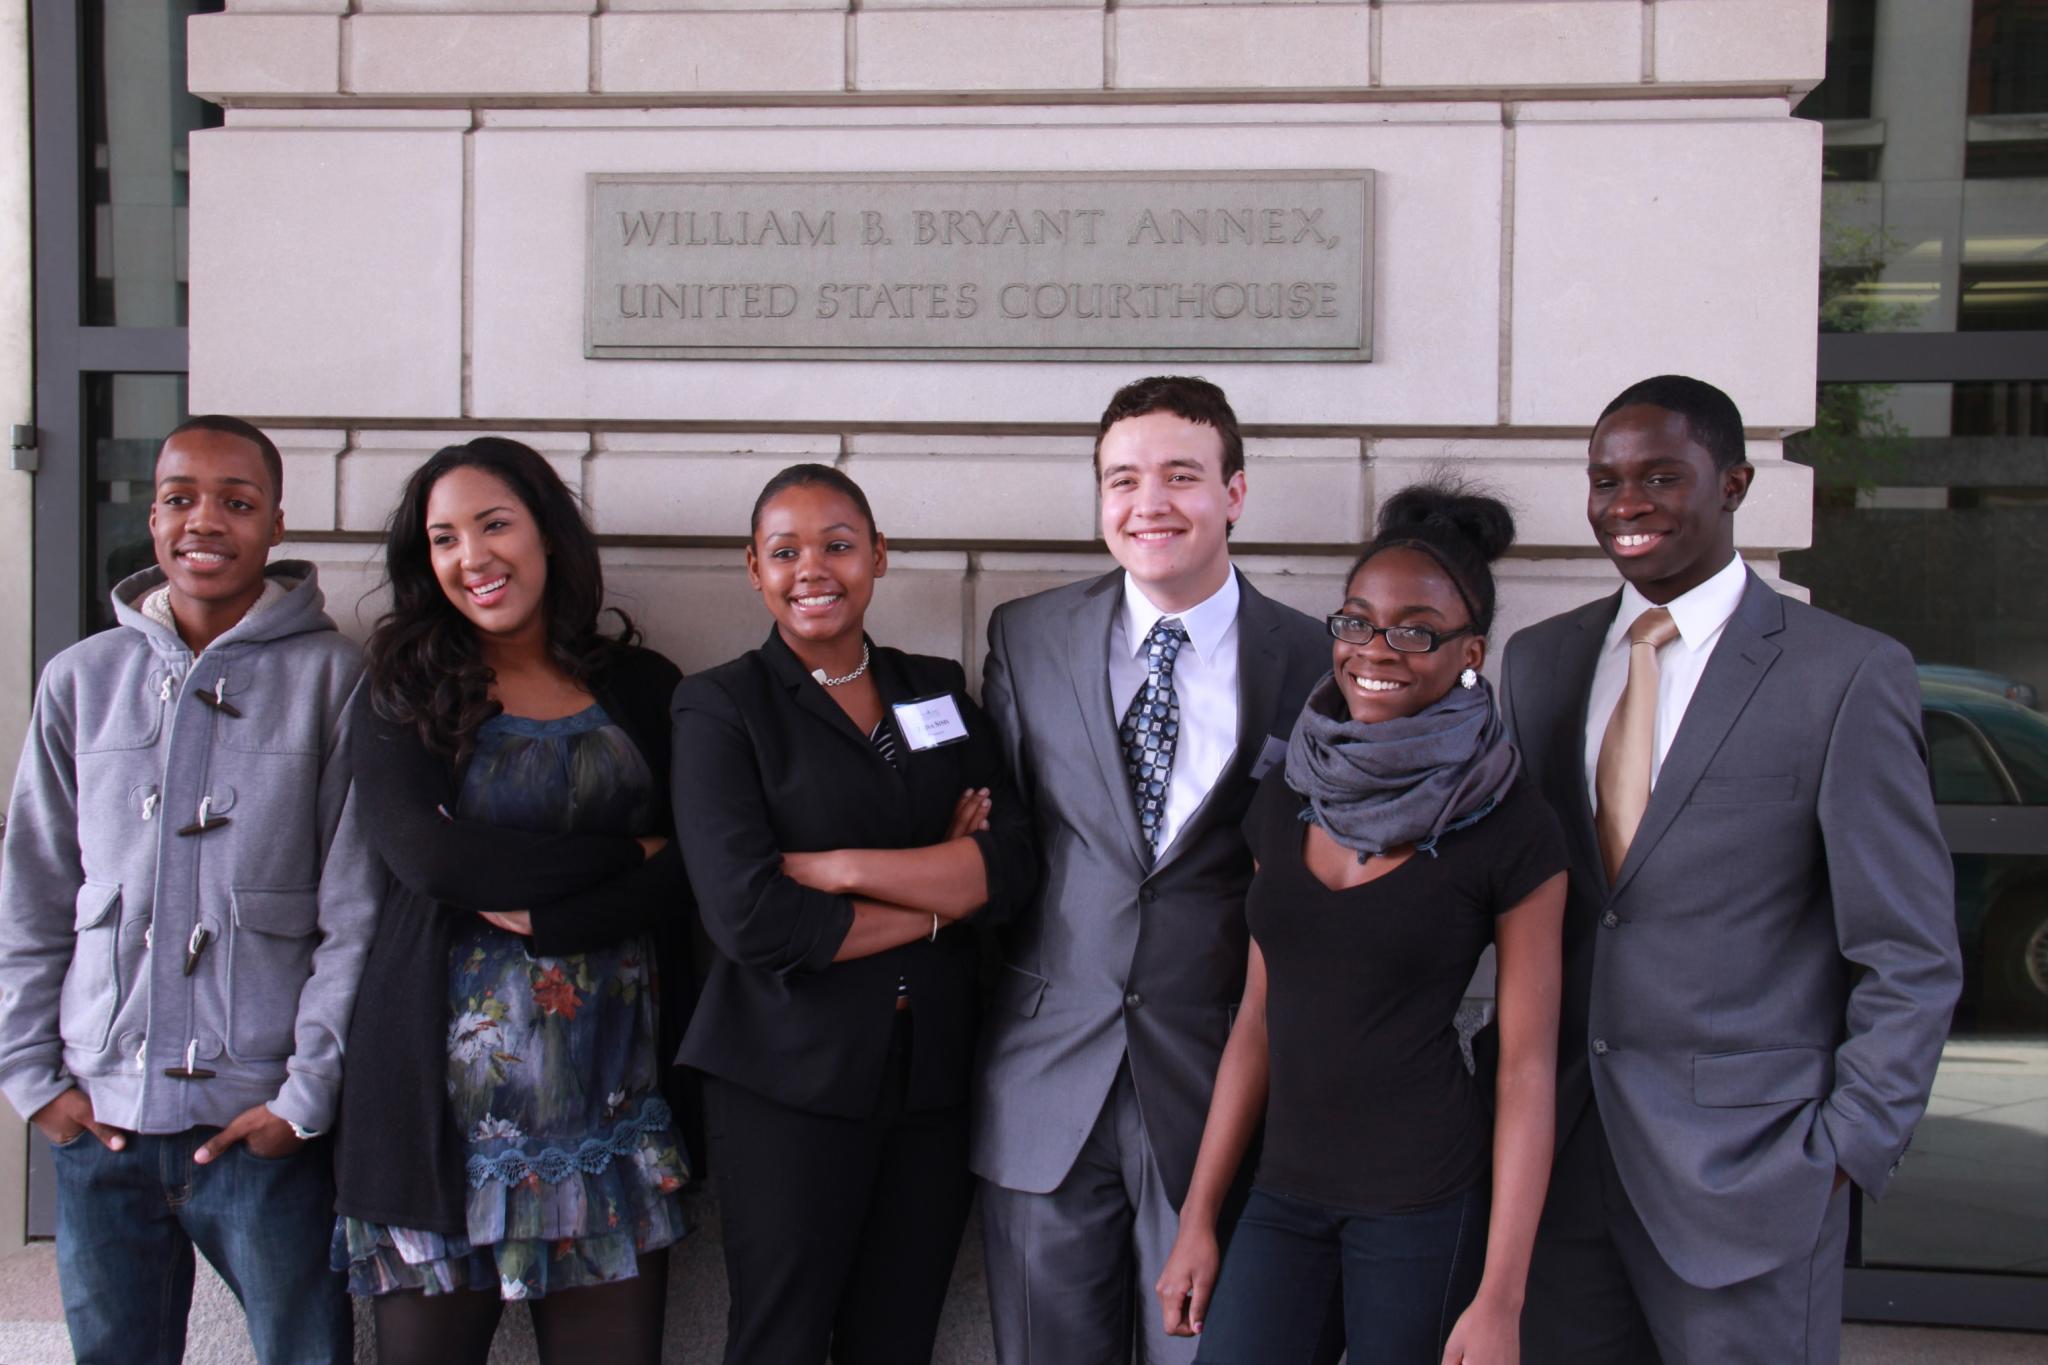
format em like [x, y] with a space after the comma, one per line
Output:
[1468, 679]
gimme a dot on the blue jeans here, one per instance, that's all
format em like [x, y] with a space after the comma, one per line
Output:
[127, 1222]
[1403, 1279]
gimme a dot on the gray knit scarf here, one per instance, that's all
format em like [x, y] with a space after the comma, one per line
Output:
[1378, 786]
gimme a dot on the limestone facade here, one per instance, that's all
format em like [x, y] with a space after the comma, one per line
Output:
[387, 255]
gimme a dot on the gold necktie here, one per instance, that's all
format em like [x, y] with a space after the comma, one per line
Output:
[1621, 779]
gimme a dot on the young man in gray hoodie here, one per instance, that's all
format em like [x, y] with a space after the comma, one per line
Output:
[185, 906]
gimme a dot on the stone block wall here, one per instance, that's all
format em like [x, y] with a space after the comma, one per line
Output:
[388, 255]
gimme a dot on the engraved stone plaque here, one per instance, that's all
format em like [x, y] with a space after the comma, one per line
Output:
[1241, 265]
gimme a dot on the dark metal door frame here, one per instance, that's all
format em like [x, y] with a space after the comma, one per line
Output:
[67, 349]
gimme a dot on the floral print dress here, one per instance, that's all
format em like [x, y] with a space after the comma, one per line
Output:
[573, 1162]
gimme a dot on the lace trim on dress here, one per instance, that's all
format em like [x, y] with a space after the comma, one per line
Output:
[589, 1157]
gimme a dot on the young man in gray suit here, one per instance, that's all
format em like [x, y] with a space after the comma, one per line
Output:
[1137, 712]
[1760, 947]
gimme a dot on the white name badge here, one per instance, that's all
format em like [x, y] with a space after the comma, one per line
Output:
[929, 722]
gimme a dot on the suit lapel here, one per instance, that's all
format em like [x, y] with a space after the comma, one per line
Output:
[812, 698]
[1088, 656]
[1578, 656]
[1260, 671]
[1739, 663]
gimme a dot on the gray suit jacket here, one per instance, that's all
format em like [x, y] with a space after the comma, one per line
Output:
[1764, 992]
[1116, 955]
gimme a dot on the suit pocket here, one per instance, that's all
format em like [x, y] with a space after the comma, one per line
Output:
[1765, 1075]
[1745, 791]
[271, 955]
[1020, 991]
[93, 985]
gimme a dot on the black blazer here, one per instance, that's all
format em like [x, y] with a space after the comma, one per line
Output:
[398, 1154]
[766, 762]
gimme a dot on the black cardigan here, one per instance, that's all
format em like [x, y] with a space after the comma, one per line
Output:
[398, 1155]
[767, 763]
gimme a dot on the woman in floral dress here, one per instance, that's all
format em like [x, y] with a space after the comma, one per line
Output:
[504, 1133]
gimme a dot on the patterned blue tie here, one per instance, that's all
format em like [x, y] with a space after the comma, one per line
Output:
[1151, 729]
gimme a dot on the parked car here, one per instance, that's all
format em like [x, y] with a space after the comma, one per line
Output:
[1988, 758]
[1983, 680]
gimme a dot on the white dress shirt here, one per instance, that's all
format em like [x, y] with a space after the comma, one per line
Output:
[1204, 683]
[1700, 615]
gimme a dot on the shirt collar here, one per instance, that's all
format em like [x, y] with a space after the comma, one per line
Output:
[1699, 614]
[1207, 622]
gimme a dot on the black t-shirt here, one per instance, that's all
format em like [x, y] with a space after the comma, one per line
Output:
[1370, 1106]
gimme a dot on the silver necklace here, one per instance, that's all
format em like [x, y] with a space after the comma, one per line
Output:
[819, 673]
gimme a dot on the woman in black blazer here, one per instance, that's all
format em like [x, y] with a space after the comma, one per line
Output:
[841, 808]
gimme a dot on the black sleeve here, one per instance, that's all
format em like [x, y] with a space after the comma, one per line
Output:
[1008, 852]
[751, 911]
[637, 693]
[1529, 850]
[613, 910]
[407, 799]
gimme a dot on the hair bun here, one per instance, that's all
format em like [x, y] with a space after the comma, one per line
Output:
[1481, 520]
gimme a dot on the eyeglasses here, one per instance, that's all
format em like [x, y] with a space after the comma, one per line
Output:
[1356, 630]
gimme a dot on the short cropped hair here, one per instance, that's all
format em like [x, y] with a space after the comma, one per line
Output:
[1711, 417]
[1185, 396]
[273, 463]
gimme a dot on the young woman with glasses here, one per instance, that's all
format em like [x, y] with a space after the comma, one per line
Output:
[1397, 842]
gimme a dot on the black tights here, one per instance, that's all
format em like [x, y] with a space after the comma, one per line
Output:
[618, 1323]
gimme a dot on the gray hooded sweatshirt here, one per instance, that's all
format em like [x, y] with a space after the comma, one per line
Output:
[167, 803]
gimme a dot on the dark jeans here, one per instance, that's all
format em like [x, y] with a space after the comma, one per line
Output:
[127, 1222]
[1403, 1279]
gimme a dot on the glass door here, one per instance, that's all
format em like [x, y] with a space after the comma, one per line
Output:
[111, 183]
[1930, 523]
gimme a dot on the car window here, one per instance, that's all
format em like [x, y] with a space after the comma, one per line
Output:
[1962, 773]
[2021, 739]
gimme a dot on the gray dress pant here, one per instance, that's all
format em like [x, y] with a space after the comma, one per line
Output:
[1070, 1273]
[1600, 1293]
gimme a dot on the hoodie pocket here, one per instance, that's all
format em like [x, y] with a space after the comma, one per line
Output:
[270, 954]
[132, 720]
[94, 985]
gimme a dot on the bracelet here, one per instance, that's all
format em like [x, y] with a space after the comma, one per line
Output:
[935, 928]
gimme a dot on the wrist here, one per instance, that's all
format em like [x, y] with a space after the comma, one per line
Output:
[1498, 1297]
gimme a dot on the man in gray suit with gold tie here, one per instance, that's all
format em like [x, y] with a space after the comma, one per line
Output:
[1137, 712]
[1760, 947]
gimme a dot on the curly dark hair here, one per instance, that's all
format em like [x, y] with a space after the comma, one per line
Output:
[425, 665]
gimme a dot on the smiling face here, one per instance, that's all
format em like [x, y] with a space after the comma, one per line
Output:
[814, 559]
[1658, 506]
[213, 522]
[488, 553]
[1166, 507]
[1402, 587]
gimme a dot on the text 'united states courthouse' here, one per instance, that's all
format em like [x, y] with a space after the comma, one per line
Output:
[1183, 266]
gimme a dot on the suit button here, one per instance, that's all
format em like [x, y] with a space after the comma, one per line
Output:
[1609, 920]
[1148, 895]
[1133, 1000]
[1599, 1047]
